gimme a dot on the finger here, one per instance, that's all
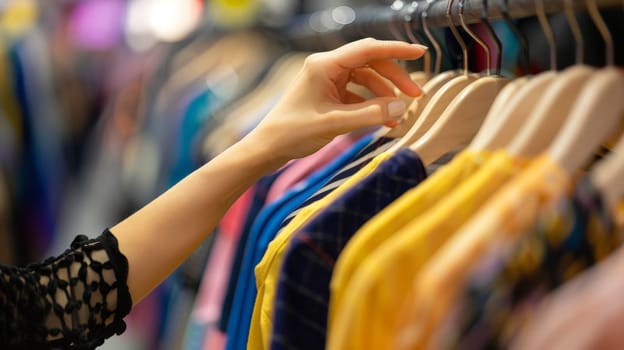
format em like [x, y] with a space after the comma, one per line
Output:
[352, 97]
[372, 81]
[361, 52]
[373, 112]
[397, 75]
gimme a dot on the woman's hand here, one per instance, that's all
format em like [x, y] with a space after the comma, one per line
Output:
[319, 107]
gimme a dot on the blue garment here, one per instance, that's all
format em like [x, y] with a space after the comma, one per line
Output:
[258, 202]
[272, 219]
[39, 184]
[380, 146]
[200, 109]
[302, 299]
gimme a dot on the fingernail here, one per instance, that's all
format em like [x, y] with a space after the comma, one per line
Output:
[421, 46]
[396, 109]
[420, 90]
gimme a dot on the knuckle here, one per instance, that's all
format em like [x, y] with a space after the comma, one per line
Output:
[369, 40]
[337, 121]
[333, 118]
[313, 61]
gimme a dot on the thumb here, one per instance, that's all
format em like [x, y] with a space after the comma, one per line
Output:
[381, 110]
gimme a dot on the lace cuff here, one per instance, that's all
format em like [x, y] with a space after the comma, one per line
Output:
[74, 301]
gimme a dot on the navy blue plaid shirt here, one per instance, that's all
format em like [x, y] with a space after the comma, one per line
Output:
[301, 304]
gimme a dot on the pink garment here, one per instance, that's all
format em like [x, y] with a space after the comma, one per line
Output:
[584, 314]
[301, 168]
[215, 340]
[210, 296]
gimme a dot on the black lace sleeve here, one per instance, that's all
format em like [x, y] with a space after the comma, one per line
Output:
[74, 301]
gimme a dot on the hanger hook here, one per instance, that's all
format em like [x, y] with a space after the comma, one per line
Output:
[543, 20]
[522, 39]
[436, 46]
[457, 36]
[473, 35]
[604, 31]
[492, 34]
[408, 26]
[576, 31]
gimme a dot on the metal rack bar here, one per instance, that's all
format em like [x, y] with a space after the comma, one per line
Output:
[380, 21]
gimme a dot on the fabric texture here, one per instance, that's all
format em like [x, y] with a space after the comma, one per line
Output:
[274, 217]
[302, 168]
[369, 318]
[573, 237]
[594, 296]
[509, 214]
[303, 293]
[378, 146]
[268, 269]
[262, 188]
[73, 301]
[394, 217]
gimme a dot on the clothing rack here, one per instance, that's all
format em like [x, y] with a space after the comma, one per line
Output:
[321, 30]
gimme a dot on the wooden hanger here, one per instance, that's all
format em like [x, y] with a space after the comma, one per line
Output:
[407, 129]
[500, 129]
[554, 106]
[608, 176]
[597, 112]
[493, 118]
[502, 124]
[440, 100]
[462, 119]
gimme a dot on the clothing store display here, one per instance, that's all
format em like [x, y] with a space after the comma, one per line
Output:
[274, 217]
[439, 232]
[372, 290]
[508, 214]
[303, 291]
[383, 226]
[302, 168]
[261, 190]
[207, 309]
[268, 269]
[571, 238]
[377, 147]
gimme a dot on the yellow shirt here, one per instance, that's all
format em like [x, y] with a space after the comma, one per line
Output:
[267, 271]
[390, 220]
[512, 211]
[372, 306]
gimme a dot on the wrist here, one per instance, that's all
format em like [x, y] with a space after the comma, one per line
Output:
[259, 153]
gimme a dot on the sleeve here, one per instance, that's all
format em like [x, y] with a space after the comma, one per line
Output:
[73, 301]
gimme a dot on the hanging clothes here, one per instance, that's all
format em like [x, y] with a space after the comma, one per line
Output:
[306, 268]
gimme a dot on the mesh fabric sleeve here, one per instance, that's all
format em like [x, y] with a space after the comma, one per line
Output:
[73, 301]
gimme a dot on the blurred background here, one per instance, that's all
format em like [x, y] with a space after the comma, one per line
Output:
[104, 104]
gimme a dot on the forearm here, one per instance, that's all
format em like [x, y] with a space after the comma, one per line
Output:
[160, 236]
[317, 108]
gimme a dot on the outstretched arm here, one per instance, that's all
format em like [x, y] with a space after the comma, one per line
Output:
[318, 107]
[79, 299]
